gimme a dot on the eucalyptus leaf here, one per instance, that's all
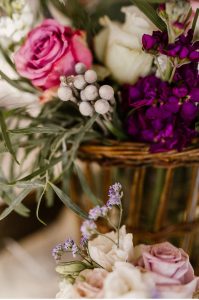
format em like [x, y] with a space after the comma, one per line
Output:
[50, 129]
[68, 202]
[17, 84]
[151, 13]
[15, 202]
[6, 136]
[86, 187]
[20, 209]
[41, 170]
[195, 20]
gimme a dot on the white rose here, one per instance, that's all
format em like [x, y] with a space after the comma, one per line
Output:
[104, 252]
[126, 281]
[119, 46]
[67, 291]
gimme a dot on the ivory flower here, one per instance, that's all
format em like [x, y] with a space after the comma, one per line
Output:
[89, 284]
[104, 252]
[126, 281]
[119, 46]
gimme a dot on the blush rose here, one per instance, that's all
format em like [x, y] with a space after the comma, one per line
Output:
[51, 50]
[170, 268]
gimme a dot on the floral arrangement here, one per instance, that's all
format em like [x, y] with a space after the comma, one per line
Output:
[135, 79]
[107, 265]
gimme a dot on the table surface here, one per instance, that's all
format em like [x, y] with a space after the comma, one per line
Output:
[27, 269]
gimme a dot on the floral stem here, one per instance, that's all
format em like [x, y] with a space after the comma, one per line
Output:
[159, 68]
[109, 221]
[118, 229]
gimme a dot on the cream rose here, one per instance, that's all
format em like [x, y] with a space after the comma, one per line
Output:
[104, 252]
[119, 46]
[126, 281]
[89, 284]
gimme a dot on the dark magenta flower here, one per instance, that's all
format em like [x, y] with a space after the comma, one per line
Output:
[183, 47]
[163, 114]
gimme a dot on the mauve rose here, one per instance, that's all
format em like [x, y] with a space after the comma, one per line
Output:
[89, 284]
[51, 50]
[170, 268]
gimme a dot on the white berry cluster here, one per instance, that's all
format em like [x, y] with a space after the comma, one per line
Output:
[84, 90]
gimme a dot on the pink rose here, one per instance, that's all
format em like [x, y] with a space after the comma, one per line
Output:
[170, 267]
[194, 4]
[91, 283]
[51, 50]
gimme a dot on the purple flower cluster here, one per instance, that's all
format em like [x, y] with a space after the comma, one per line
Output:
[97, 212]
[68, 246]
[164, 114]
[183, 47]
[88, 228]
[57, 252]
[115, 195]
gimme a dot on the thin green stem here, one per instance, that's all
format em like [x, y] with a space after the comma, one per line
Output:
[159, 68]
[109, 221]
[118, 229]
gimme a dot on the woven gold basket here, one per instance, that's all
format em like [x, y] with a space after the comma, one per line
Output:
[161, 190]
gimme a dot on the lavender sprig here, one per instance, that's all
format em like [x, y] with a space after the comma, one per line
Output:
[115, 195]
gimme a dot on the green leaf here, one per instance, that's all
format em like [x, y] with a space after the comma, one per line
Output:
[17, 84]
[15, 203]
[115, 131]
[157, 1]
[151, 13]
[6, 136]
[68, 202]
[195, 20]
[50, 129]
[20, 209]
[86, 187]
[71, 267]
[41, 170]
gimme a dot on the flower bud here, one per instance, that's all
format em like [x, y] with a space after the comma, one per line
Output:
[102, 106]
[91, 92]
[64, 93]
[79, 82]
[106, 92]
[80, 68]
[70, 268]
[90, 76]
[82, 96]
[86, 109]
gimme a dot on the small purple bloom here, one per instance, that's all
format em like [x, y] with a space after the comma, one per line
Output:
[88, 228]
[75, 250]
[57, 252]
[83, 242]
[97, 212]
[68, 244]
[183, 47]
[115, 195]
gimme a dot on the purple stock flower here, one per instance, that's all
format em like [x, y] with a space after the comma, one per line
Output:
[97, 212]
[88, 228]
[115, 195]
[183, 47]
[164, 114]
